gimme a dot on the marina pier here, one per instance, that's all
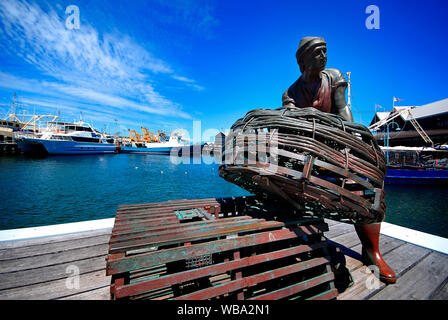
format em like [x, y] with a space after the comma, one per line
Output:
[41, 262]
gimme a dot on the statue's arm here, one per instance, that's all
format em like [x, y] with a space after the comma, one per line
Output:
[339, 87]
[287, 101]
[340, 105]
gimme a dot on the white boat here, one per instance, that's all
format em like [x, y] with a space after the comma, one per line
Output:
[66, 138]
[174, 144]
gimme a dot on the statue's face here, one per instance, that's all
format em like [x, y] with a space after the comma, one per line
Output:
[316, 59]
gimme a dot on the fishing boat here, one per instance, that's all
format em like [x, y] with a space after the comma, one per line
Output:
[421, 165]
[22, 122]
[66, 138]
[160, 143]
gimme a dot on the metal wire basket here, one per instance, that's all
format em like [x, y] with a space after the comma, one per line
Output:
[316, 161]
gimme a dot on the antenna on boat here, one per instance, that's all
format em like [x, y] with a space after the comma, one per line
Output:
[349, 102]
[13, 107]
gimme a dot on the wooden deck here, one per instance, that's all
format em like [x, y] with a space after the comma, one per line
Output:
[40, 268]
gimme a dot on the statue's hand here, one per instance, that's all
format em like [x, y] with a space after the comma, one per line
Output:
[289, 106]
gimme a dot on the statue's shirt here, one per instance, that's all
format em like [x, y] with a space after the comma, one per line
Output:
[318, 94]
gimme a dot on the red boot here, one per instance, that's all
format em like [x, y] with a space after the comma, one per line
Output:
[369, 235]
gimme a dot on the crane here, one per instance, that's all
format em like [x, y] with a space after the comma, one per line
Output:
[134, 136]
[149, 136]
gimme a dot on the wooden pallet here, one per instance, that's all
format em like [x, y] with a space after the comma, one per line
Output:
[217, 249]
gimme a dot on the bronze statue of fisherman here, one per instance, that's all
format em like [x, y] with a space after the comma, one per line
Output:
[324, 89]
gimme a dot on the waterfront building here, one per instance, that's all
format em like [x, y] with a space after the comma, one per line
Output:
[402, 125]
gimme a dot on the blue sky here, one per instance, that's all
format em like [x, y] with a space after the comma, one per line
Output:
[164, 64]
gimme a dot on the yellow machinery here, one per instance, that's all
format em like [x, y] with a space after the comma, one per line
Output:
[149, 136]
[134, 136]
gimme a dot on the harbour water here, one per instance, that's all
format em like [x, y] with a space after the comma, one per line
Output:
[62, 189]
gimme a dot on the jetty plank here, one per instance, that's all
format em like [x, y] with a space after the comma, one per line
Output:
[48, 273]
[56, 258]
[365, 282]
[57, 289]
[339, 229]
[400, 256]
[6, 245]
[405, 257]
[347, 240]
[441, 293]
[420, 282]
[97, 294]
[365, 285]
[52, 247]
[423, 273]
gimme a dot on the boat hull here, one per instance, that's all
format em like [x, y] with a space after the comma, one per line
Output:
[162, 151]
[31, 146]
[176, 151]
[416, 176]
[69, 147]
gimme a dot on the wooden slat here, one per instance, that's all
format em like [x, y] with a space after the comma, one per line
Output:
[406, 257]
[49, 273]
[441, 293]
[150, 228]
[156, 214]
[168, 219]
[97, 294]
[394, 253]
[420, 282]
[52, 247]
[169, 255]
[332, 222]
[137, 244]
[365, 285]
[348, 240]
[43, 260]
[327, 295]
[296, 288]
[161, 211]
[215, 269]
[254, 280]
[162, 204]
[6, 245]
[339, 229]
[208, 226]
[58, 288]
[157, 205]
[149, 223]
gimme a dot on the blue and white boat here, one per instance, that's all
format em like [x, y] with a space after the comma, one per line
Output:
[174, 145]
[66, 138]
[416, 165]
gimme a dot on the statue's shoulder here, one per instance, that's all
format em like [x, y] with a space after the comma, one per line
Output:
[336, 76]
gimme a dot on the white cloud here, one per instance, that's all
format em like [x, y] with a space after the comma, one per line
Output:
[189, 82]
[110, 69]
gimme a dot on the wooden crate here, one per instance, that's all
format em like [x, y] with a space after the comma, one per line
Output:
[217, 249]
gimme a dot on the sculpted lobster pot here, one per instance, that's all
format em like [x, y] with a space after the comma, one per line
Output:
[317, 162]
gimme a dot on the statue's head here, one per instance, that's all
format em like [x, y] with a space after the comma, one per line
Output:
[312, 54]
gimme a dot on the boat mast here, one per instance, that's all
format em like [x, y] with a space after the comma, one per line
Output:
[349, 102]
